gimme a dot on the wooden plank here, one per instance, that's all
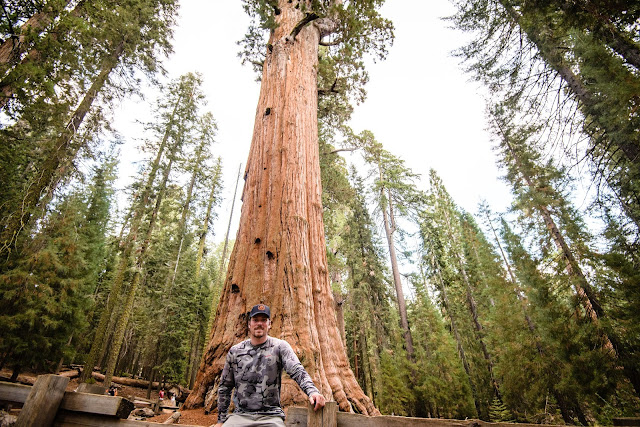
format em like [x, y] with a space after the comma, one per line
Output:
[73, 401]
[296, 417]
[42, 403]
[314, 418]
[97, 404]
[330, 414]
[354, 420]
[67, 418]
[12, 392]
[325, 417]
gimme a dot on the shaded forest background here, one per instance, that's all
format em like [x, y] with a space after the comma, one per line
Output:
[529, 315]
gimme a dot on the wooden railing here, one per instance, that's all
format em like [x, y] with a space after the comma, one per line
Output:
[330, 417]
[46, 403]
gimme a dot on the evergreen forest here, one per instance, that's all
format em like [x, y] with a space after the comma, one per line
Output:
[529, 314]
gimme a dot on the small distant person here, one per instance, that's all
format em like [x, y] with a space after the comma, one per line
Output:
[173, 400]
[113, 391]
[161, 395]
[254, 368]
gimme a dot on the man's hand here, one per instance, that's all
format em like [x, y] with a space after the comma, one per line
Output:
[317, 400]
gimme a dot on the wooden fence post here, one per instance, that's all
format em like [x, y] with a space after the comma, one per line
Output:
[41, 405]
[326, 417]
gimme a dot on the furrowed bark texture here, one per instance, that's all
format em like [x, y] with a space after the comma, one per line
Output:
[279, 257]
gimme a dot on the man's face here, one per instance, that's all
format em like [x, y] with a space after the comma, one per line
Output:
[259, 326]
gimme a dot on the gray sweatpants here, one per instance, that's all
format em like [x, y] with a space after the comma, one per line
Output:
[241, 420]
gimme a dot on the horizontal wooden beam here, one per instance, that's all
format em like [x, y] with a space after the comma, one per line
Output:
[66, 418]
[114, 406]
[353, 420]
[298, 417]
[15, 393]
[97, 404]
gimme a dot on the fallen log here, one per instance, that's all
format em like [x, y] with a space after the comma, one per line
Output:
[180, 391]
[22, 379]
[131, 382]
[71, 374]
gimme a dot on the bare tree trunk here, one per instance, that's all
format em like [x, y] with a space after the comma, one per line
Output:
[280, 253]
[389, 229]
[339, 301]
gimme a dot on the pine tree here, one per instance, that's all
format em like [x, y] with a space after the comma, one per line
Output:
[44, 295]
[52, 98]
[181, 101]
[498, 412]
[553, 58]
[550, 370]
[436, 265]
[368, 313]
[396, 198]
[442, 384]
[535, 186]
[450, 225]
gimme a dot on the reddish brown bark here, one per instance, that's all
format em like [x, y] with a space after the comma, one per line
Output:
[279, 257]
[13, 47]
[18, 49]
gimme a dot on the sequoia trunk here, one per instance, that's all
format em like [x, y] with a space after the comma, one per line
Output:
[279, 257]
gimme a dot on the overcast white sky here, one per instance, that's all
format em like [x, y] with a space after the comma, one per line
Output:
[420, 105]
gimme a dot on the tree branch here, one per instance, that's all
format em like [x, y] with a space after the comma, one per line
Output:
[310, 17]
[330, 90]
[342, 149]
[333, 43]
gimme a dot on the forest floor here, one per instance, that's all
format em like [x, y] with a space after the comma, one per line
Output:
[189, 417]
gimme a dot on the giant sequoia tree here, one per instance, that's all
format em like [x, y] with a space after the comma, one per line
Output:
[279, 257]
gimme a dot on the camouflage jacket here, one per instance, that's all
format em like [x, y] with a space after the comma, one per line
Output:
[256, 372]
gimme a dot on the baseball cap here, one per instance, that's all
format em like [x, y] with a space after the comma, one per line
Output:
[260, 309]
